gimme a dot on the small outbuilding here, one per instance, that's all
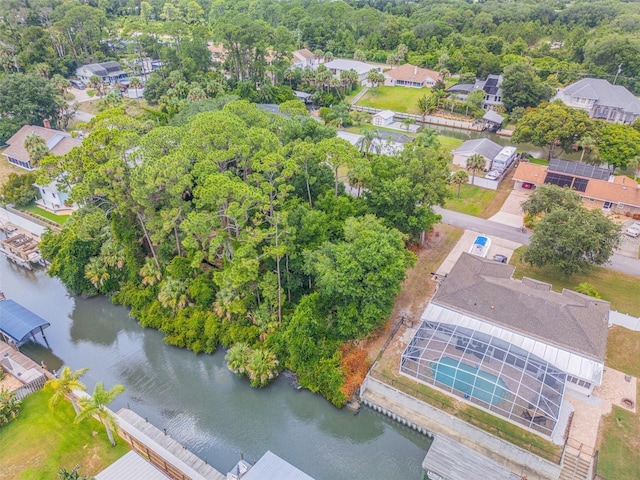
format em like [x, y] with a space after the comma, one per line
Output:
[383, 118]
[493, 120]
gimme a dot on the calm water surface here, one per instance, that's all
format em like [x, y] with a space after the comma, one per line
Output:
[203, 405]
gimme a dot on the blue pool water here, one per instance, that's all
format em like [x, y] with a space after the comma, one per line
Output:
[470, 380]
[482, 241]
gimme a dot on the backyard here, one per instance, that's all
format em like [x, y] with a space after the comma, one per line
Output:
[620, 431]
[397, 99]
[479, 202]
[40, 442]
[39, 212]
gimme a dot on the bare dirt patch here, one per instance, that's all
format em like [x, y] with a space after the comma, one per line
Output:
[10, 383]
[504, 189]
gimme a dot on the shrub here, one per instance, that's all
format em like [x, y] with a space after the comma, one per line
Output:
[9, 406]
[19, 189]
[588, 289]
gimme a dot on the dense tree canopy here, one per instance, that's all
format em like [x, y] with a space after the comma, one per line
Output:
[215, 231]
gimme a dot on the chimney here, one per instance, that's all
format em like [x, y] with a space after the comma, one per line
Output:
[46, 123]
[415, 70]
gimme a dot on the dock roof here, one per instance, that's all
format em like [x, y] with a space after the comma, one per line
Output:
[131, 467]
[17, 323]
[272, 467]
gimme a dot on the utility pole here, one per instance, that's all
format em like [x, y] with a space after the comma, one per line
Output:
[617, 73]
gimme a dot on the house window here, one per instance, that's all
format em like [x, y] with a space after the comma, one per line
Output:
[53, 195]
[592, 199]
[621, 205]
[44, 192]
[607, 205]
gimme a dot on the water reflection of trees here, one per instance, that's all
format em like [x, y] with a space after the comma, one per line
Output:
[98, 321]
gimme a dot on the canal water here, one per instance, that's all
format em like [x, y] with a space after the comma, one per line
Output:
[200, 403]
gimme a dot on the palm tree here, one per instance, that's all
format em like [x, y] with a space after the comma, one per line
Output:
[96, 272]
[367, 141]
[475, 162]
[149, 272]
[64, 385]
[135, 83]
[238, 357]
[373, 77]
[36, 148]
[173, 293]
[635, 163]
[588, 143]
[407, 122]
[459, 178]
[95, 82]
[97, 405]
[262, 367]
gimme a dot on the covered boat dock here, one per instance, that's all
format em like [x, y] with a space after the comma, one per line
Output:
[17, 323]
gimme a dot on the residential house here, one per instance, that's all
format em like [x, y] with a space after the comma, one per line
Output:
[304, 58]
[218, 53]
[490, 86]
[511, 347]
[481, 146]
[383, 118]
[408, 75]
[362, 69]
[59, 143]
[109, 72]
[54, 199]
[597, 186]
[600, 99]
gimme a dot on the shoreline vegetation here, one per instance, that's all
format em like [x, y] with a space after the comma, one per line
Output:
[234, 229]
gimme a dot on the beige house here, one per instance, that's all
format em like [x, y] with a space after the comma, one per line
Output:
[58, 143]
[408, 75]
[597, 187]
[304, 58]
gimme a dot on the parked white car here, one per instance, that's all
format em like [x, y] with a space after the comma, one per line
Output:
[633, 230]
[492, 175]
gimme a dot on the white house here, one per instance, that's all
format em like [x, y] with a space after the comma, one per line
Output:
[54, 199]
[511, 347]
[383, 118]
[304, 58]
[600, 99]
[482, 146]
[109, 72]
[362, 69]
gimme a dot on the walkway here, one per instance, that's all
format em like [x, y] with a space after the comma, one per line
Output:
[360, 94]
[437, 421]
[624, 320]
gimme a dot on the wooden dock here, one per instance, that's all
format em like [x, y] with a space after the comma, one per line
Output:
[162, 450]
[20, 246]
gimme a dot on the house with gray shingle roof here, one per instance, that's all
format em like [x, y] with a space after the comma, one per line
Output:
[512, 347]
[482, 146]
[601, 100]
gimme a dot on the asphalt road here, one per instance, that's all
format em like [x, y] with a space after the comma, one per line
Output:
[617, 262]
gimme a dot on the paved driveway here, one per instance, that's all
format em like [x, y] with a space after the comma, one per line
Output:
[628, 245]
[511, 212]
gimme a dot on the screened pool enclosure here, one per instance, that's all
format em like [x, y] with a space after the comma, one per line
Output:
[487, 371]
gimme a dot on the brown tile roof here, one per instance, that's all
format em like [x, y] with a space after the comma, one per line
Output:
[59, 143]
[217, 48]
[486, 290]
[304, 53]
[411, 73]
[621, 190]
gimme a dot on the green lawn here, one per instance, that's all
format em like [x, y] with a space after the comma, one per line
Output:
[539, 161]
[615, 287]
[39, 212]
[448, 143]
[472, 201]
[40, 442]
[620, 446]
[397, 99]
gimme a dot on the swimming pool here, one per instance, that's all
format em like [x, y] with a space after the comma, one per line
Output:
[470, 380]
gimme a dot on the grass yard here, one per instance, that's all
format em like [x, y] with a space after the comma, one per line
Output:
[449, 144]
[134, 107]
[41, 441]
[615, 287]
[620, 430]
[397, 99]
[39, 212]
[472, 199]
[620, 445]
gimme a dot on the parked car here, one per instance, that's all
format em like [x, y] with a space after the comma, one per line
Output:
[633, 230]
[528, 186]
[492, 175]
[77, 84]
[500, 258]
